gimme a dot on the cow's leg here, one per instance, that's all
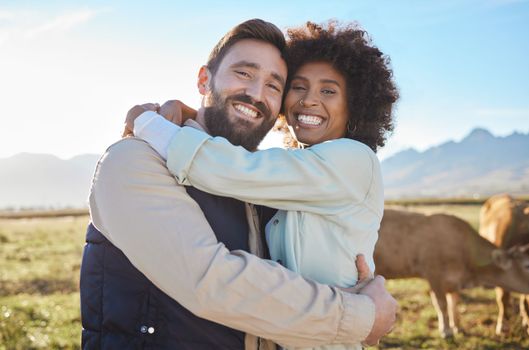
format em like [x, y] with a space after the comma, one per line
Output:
[439, 302]
[524, 310]
[503, 300]
[452, 299]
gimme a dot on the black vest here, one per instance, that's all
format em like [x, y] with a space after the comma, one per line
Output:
[122, 309]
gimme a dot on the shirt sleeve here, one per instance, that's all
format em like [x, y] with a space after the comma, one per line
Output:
[324, 179]
[156, 130]
[137, 204]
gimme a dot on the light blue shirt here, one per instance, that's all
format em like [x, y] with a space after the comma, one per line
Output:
[330, 195]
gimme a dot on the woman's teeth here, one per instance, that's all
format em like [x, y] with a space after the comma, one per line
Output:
[309, 119]
[246, 111]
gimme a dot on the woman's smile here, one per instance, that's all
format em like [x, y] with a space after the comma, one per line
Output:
[309, 120]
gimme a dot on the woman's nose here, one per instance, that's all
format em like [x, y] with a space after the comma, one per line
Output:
[310, 99]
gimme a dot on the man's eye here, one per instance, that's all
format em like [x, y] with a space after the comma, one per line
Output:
[274, 87]
[242, 73]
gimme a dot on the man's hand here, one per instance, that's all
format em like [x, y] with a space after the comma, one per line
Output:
[134, 113]
[385, 309]
[365, 275]
[385, 305]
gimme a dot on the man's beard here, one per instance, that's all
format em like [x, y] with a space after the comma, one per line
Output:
[241, 132]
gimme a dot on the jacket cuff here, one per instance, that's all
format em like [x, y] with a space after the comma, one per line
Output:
[357, 319]
[182, 149]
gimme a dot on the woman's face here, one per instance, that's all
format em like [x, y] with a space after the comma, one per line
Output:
[316, 103]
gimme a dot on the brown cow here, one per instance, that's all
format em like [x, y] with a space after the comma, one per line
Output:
[504, 221]
[449, 253]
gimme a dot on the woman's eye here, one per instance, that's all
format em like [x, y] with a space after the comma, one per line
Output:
[298, 87]
[328, 92]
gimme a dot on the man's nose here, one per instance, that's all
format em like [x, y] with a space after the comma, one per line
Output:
[256, 91]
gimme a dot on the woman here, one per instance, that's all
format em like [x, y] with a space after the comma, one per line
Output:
[329, 195]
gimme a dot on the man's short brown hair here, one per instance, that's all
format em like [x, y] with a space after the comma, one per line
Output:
[252, 29]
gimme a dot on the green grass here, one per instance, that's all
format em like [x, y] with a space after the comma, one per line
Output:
[39, 294]
[417, 321]
[39, 283]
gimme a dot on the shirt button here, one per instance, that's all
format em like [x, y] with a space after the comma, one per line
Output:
[143, 329]
[150, 330]
[276, 221]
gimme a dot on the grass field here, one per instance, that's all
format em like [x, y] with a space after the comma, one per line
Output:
[39, 297]
[39, 274]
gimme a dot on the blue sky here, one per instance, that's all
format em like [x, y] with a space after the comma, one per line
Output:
[70, 70]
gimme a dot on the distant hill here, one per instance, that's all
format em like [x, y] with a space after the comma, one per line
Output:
[479, 165]
[43, 181]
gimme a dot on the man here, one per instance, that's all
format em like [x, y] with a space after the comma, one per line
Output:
[193, 247]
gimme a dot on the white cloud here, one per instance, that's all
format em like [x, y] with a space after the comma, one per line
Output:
[4, 36]
[63, 22]
[5, 18]
[6, 15]
[20, 25]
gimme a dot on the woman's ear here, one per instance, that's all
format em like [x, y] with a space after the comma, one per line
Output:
[204, 78]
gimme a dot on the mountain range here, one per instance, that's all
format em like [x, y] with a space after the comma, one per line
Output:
[43, 181]
[479, 165]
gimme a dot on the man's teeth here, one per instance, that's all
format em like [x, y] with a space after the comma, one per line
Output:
[309, 119]
[246, 111]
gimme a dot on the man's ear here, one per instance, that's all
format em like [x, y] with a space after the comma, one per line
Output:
[204, 79]
[501, 259]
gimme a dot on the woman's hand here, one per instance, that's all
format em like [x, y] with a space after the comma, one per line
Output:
[177, 112]
[134, 113]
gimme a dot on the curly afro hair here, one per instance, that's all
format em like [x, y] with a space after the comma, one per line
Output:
[371, 91]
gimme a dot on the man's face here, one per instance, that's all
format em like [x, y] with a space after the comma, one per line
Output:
[245, 94]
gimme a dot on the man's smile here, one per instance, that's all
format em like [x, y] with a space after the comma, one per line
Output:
[248, 111]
